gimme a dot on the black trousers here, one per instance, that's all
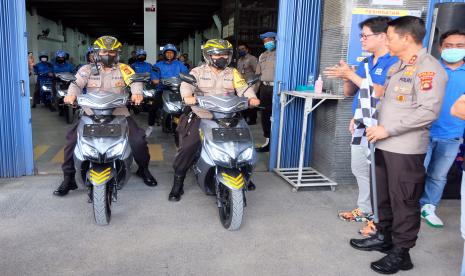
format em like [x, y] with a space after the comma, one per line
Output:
[189, 143]
[400, 181]
[266, 100]
[137, 142]
[36, 97]
[153, 107]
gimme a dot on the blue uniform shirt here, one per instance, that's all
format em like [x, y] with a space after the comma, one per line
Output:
[143, 67]
[64, 67]
[448, 126]
[169, 70]
[378, 72]
[43, 68]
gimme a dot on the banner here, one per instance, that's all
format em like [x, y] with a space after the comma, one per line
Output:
[355, 54]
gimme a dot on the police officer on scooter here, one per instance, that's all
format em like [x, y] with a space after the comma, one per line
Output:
[214, 77]
[113, 76]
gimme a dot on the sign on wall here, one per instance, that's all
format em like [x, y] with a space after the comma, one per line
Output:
[355, 53]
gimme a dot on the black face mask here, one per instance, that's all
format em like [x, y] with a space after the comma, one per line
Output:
[220, 63]
[60, 60]
[141, 59]
[108, 60]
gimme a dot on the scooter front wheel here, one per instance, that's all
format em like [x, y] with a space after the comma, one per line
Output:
[231, 208]
[102, 204]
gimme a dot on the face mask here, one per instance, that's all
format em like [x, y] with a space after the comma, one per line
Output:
[453, 55]
[220, 63]
[60, 60]
[141, 59]
[44, 59]
[242, 53]
[270, 45]
[108, 60]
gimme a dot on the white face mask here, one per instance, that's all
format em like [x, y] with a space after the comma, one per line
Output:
[43, 59]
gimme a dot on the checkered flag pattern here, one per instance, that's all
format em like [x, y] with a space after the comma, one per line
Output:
[365, 114]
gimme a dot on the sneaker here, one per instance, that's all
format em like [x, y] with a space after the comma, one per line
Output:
[369, 230]
[429, 215]
[354, 215]
[148, 131]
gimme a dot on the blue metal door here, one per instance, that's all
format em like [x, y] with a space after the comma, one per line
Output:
[16, 151]
[299, 34]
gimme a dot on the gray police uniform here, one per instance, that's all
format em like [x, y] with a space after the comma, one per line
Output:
[412, 101]
[228, 81]
[111, 81]
[247, 66]
[266, 67]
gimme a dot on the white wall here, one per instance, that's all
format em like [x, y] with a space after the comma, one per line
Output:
[64, 38]
[60, 37]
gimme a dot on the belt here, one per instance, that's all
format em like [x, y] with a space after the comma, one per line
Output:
[268, 83]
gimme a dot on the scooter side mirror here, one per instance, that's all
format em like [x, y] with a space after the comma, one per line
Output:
[140, 77]
[253, 80]
[190, 79]
[66, 77]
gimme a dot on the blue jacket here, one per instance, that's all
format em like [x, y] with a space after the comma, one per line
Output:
[64, 67]
[168, 70]
[143, 67]
[448, 126]
[43, 67]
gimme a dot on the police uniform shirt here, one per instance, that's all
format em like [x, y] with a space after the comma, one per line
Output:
[226, 82]
[266, 66]
[113, 81]
[247, 65]
[412, 101]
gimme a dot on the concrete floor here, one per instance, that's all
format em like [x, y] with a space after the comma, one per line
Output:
[283, 233]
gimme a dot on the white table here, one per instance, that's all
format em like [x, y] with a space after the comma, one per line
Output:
[302, 176]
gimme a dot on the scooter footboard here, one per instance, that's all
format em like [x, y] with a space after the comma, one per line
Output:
[100, 174]
[232, 178]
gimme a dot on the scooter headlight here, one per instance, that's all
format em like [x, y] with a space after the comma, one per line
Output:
[61, 93]
[245, 156]
[89, 151]
[149, 93]
[218, 155]
[116, 150]
[46, 88]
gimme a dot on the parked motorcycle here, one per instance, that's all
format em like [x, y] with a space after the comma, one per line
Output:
[173, 107]
[45, 83]
[228, 156]
[62, 82]
[103, 156]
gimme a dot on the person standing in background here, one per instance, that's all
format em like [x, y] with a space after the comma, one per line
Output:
[246, 65]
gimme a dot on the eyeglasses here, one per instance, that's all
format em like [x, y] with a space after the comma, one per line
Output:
[366, 36]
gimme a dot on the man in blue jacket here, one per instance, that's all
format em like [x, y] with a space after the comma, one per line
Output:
[169, 67]
[44, 71]
[447, 131]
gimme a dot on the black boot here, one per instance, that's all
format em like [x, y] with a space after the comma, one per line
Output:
[251, 186]
[68, 184]
[378, 242]
[148, 178]
[397, 259]
[265, 147]
[177, 191]
[52, 108]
